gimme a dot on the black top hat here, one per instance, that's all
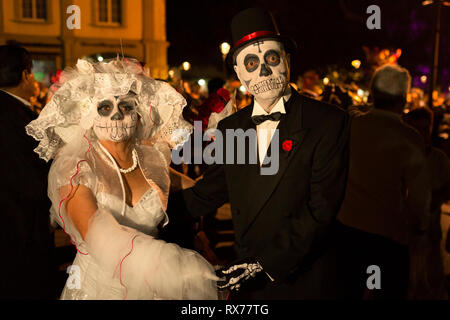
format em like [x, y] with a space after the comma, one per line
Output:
[254, 24]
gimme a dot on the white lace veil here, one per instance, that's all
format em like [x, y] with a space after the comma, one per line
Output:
[70, 114]
[215, 117]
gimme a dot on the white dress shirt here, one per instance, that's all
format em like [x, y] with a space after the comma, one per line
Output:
[266, 130]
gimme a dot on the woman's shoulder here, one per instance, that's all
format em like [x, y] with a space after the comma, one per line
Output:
[71, 169]
[159, 152]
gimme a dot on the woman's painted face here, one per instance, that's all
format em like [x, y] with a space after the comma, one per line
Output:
[117, 118]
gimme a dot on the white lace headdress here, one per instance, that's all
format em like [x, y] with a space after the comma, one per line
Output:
[70, 114]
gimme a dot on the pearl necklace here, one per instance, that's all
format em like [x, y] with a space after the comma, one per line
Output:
[134, 166]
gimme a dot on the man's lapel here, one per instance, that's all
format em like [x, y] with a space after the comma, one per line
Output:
[291, 135]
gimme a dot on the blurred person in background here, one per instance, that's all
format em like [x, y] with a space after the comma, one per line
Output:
[36, 105]
[190, 112]
[385, 213]
[336, 95]
[310, 84]
[194, 91]
[416, 99]
[26, 240]
[40, 98]
[439, 170]
[216, 101]
[241, 98]
[43, 98]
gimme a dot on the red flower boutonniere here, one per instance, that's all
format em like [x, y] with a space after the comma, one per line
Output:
[287, 145]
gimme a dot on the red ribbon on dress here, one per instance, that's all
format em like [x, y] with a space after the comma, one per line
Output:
[254, 35]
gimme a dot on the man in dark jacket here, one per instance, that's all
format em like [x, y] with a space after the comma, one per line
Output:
[386, 209]
[26, 242]
[283, 213]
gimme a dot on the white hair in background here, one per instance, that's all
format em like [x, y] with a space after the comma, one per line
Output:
[391, 80]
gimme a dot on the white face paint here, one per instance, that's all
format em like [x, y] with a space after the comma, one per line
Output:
[262, 68]
[117, 118]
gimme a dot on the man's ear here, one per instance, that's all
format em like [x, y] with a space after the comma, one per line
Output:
[236, 70]
[238, 74]
[26, 75]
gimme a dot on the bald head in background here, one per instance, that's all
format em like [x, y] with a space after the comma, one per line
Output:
[390, 85]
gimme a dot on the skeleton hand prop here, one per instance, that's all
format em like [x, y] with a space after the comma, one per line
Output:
[234, 276]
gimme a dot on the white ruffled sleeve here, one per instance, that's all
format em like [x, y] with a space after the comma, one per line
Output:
[146, 267]
[215, 117]
[65, 174]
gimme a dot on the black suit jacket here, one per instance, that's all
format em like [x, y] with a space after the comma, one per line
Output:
[26, 242]
[284, 220]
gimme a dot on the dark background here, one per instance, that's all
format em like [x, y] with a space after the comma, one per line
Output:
[328, 32]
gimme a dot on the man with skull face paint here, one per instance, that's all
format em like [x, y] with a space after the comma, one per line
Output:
[283, 222]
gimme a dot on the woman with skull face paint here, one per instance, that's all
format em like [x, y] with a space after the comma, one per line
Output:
[109, 191]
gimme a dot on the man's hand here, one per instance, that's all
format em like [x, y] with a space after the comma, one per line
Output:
[233, 276]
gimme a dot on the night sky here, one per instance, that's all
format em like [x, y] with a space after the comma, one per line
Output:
[328, 32]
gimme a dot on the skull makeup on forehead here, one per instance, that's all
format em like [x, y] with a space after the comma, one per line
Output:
[117, 118]
[262, 67]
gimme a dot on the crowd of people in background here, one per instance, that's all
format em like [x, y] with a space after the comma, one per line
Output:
[390, 133]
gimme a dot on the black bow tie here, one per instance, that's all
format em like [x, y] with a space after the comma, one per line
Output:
[276, 116]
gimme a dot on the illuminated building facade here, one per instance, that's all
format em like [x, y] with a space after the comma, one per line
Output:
[42, 27]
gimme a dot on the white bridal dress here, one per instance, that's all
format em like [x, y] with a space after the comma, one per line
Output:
[121, 257]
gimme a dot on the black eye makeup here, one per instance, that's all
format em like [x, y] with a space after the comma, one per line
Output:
[126, 106]
[251, 62]
[105, 108]
[272, 58]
